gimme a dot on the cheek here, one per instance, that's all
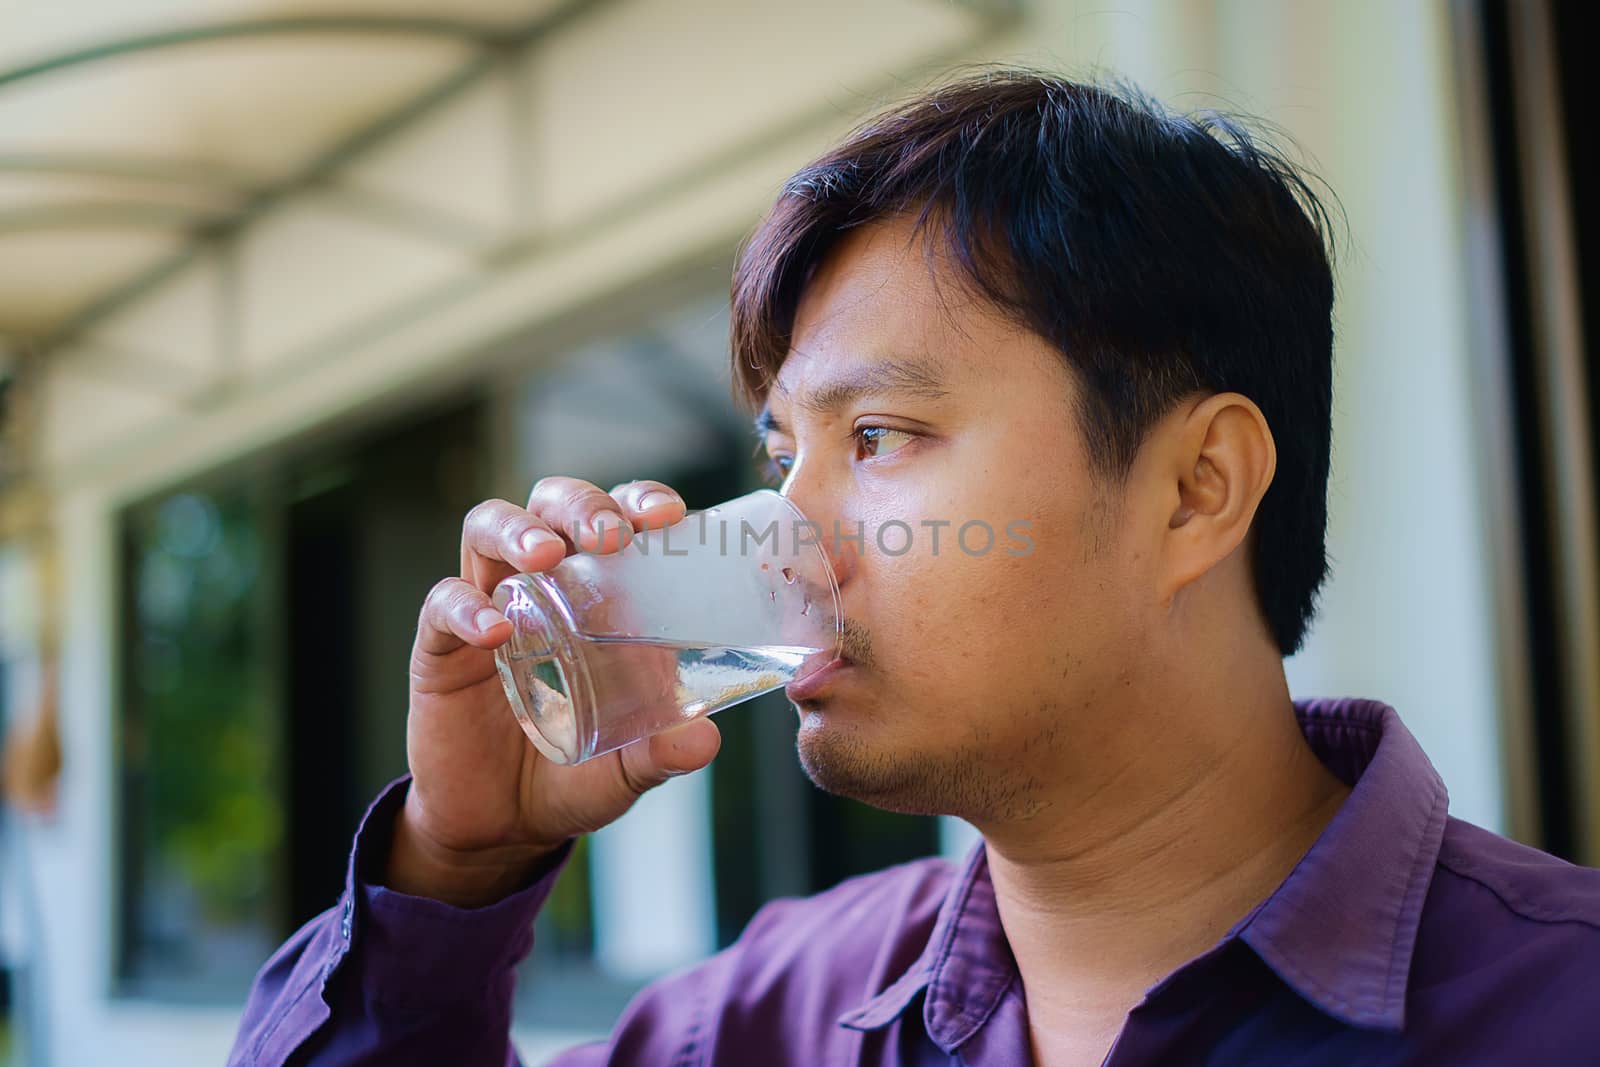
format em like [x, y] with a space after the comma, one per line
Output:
[1048, 613]
[996, 568]
[958, 607]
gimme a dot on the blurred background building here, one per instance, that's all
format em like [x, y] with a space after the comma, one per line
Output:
[287, 285]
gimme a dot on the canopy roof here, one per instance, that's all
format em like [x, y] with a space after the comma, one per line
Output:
[127, 138]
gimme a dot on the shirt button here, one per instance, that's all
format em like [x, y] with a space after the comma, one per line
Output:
[344, 921]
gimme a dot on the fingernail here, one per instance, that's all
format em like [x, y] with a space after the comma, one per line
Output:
[606, 520]
[656, 499]
[487, 619]
[533, 539]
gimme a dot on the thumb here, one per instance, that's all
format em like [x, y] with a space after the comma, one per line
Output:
[679, 750]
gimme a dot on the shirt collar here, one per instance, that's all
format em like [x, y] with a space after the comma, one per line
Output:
[1339, 930]
[966, 966]
[1342, 927]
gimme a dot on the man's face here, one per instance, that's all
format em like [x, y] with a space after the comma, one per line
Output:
[987, 666]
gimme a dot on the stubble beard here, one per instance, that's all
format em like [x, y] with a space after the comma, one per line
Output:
[966, 781]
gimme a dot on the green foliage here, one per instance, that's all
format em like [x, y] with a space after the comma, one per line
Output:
[202, 737]
[566, 922]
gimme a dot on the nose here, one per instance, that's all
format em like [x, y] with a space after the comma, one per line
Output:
[822, 508]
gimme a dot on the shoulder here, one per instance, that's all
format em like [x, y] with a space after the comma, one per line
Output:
[1528, 887]
[1508, 948]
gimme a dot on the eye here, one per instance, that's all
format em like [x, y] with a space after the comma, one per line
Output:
[875, 441]
[776, 469]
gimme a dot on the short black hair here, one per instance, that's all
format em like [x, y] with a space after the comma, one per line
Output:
[1163, 255]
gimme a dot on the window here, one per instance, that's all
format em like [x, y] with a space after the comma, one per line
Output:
[267, 615]
[203, 826]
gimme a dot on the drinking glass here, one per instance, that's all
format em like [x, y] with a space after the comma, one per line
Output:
[729, 603]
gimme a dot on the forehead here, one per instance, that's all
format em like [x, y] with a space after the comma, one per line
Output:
[886, 297]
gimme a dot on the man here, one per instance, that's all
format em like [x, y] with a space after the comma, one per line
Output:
[1014, 299]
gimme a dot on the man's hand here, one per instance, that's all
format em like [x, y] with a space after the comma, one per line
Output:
[484, 807]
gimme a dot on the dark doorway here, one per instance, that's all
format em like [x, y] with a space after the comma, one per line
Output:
[322, 686]
[1540, 164]
[370, 528]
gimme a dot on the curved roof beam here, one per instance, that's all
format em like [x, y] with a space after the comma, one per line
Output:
[491, 43]
[197, 174]
[376, 25]
[102, 215]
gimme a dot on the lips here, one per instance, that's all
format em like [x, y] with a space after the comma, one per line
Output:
[813, 679]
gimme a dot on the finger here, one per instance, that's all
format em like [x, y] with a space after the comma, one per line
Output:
[582, 512]
[649, 505]
[499, 539]
[457, 613]
[680, 750]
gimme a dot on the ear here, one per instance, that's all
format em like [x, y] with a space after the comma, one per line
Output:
[1222, 461]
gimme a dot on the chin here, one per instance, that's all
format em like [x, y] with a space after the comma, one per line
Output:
[841, 760]
[844, 754]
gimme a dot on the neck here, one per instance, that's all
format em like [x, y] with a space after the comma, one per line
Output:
[1187, 825]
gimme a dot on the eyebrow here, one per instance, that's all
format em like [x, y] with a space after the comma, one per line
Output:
[890, 377]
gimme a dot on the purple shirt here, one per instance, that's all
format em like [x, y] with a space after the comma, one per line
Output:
[1403, 936]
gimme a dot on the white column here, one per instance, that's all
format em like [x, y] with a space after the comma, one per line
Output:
[956, 838]
[652, 882]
